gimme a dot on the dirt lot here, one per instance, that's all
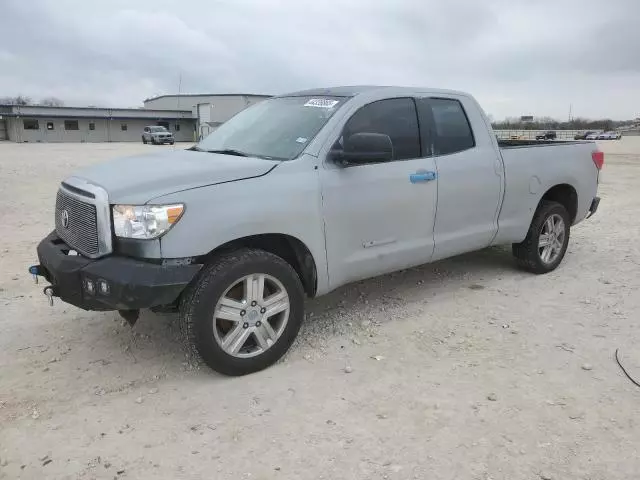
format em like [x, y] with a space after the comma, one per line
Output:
[482, 372]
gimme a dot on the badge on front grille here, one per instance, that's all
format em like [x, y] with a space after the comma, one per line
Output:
[64, 218]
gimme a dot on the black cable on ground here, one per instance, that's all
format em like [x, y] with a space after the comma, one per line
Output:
[625, 372]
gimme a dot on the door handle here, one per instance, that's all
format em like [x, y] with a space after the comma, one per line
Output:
[422, 177]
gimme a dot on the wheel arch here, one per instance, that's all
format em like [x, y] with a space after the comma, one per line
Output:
[564, 194]
[289, 248]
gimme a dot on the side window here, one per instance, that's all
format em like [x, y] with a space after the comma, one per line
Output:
[452, 132]
[71, 125]
[30, 124]
[395, 117]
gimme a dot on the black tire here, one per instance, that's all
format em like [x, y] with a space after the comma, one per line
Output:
[527, 252]
[144, 141]
[199, 302]
[153, 141]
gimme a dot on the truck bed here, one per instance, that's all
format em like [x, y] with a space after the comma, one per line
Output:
[531, 170]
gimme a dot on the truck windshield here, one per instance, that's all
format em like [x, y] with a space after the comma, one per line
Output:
[278, 128]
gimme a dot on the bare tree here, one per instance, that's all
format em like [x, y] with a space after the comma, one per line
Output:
[52, 102]
[19, 100]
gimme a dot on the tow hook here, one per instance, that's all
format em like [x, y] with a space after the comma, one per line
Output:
[35, 271]
[48, 291]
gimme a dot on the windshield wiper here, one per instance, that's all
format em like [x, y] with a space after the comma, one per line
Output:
[229, 151]
[238, 153]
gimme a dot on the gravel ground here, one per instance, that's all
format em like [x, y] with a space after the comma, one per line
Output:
[464, 369]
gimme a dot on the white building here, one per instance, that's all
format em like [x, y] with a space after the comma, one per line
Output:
[34, 123]
[188, 117]
[209, 110]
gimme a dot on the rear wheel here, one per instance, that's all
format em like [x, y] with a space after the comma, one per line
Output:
[144, 140]
[243, 312]
[547, 240]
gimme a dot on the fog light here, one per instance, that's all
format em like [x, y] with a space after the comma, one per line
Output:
[103, 287]
[89, 287]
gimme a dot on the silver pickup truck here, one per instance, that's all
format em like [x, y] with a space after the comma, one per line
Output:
[298, 195]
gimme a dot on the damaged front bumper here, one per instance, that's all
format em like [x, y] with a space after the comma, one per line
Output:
[108, 283]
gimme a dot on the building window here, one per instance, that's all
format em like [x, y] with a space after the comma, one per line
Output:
[30, 124]
[71, 125]
[177, 127]
[92, 126]
[49, 125]
[123, 127]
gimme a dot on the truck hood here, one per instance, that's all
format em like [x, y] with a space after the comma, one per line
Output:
[139, 179]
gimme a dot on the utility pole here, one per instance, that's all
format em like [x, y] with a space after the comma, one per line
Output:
[570, 105]
[178, 104]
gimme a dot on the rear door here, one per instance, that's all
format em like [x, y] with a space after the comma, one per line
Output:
[470, 174]
[379, 216]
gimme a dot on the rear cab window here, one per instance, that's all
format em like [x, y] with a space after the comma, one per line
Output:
[445, 126]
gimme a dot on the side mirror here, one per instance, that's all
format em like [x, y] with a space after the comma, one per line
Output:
[361, 148]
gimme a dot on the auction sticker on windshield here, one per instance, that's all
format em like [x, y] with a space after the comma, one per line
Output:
[321, 103]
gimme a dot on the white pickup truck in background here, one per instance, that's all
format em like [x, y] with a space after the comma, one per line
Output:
[300, 194]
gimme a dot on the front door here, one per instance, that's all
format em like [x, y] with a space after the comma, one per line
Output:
[379, 217]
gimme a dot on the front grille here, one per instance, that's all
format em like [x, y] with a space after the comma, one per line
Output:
[81, 229]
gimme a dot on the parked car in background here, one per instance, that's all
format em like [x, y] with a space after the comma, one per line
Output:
[235, 231]
[593, 136]
[610, 136]
[157, 135]
[584, 135]
[549, 135]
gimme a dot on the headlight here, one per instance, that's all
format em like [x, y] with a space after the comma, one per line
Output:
[146, 221]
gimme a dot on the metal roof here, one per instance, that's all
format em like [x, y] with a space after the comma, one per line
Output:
[208, 95]
[138, 109]
[91, 112]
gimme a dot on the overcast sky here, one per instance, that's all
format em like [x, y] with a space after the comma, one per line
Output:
[517, 57]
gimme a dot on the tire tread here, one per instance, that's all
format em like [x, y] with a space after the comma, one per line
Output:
[209, 273]
[526, 252]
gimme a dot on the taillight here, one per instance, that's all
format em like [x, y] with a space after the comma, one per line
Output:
[598, 159]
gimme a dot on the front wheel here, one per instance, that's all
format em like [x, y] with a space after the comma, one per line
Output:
[243, 312]
[547, 240]
[144, 140]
